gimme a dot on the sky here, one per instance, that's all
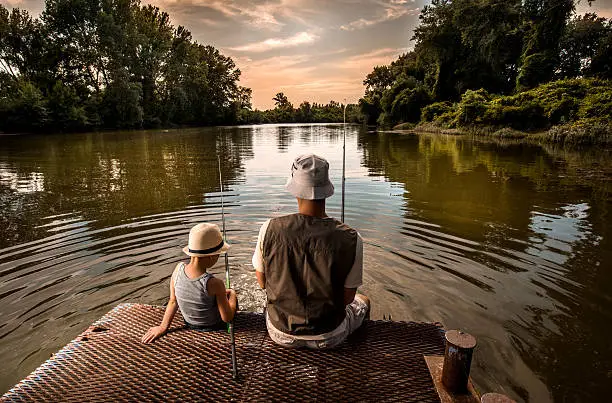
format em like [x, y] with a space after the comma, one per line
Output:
[314, 50]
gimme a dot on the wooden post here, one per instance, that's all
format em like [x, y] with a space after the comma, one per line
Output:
[457, 361]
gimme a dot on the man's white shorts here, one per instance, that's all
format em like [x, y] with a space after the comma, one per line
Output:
[356, 312]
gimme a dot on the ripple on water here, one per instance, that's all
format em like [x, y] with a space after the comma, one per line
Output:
[459, 232]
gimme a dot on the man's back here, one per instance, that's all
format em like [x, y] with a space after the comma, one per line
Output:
[307, 261]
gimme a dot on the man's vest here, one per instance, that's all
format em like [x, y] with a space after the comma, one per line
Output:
[306, 262]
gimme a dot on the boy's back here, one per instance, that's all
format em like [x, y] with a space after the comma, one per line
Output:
[198, 307]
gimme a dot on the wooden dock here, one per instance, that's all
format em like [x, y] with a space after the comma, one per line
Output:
[382, 361]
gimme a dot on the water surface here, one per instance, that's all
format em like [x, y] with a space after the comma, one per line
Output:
[509, 242]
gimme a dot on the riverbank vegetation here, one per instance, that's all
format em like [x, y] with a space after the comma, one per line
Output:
[575, 111]
[504, 67]
[86, 65]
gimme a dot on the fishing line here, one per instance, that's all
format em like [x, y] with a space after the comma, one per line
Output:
[343, 161]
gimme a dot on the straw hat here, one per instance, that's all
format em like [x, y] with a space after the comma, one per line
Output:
[205, 240]
[309, 178]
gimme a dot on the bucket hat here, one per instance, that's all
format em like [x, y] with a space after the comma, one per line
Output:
[309, 178]
[205, 240]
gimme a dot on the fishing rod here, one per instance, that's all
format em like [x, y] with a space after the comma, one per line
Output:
[230, 325]
[343, 160]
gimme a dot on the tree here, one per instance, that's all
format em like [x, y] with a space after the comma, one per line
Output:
[304, 113]
[601, 62]
[283, 111]
[281, 101]
[464, 45]
[66, 113]
[369, 107]
[121, 103]
[154, 40]
[22, 107]
[20, 42]
[380, 79]
[438, 44]
[583, 47]
[499, 46]
[545, 24]
[114, 64]
[72, 32]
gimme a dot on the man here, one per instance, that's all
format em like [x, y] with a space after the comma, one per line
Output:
[310, 266]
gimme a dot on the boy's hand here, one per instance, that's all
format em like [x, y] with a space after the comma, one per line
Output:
[232, 298]
[152, 334]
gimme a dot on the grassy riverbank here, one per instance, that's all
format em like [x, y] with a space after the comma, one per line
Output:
[579, 134]
[573, 112]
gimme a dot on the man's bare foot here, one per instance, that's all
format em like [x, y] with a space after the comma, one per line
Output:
[365, 299]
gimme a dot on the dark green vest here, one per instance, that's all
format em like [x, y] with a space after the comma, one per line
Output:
[307, 260]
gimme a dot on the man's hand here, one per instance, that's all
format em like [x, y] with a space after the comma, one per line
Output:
[261, 279]
[152, 334]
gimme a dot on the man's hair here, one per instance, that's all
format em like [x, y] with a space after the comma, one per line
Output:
[317, 201]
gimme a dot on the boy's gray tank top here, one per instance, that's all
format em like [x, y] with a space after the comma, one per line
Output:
[198, 308]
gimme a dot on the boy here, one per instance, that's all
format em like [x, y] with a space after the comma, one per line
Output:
[202, 298]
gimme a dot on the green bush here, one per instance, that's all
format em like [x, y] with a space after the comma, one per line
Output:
[556, 103]
[65, 109]
[384, 120]
[433, 111]
[597, 104]
[526, 116]
[448, 119]
[507, 133]
[559, 100]
[472, 107]
[23, 108]
[405, 126]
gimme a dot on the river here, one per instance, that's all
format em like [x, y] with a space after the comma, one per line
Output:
[509, 242]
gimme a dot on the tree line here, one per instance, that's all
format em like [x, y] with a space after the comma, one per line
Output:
[116, 64]
[111, 64]
[306, 112]
[525, 63]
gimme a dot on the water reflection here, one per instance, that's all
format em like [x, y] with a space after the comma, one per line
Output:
[527, 229]
[283, 139]
[510, 242]
[557, 233]
[114, 176]
[30, 183]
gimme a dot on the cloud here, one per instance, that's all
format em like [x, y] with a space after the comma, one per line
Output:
[209, 22]
[368, 60]
[391, 11]
[314, 77]
[323, 86]
[260, 16]
[301, 38]
[271, 66]
[602, 8]
[257, 14]
[33, 7]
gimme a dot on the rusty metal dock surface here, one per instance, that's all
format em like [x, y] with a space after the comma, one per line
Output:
[382, 361]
